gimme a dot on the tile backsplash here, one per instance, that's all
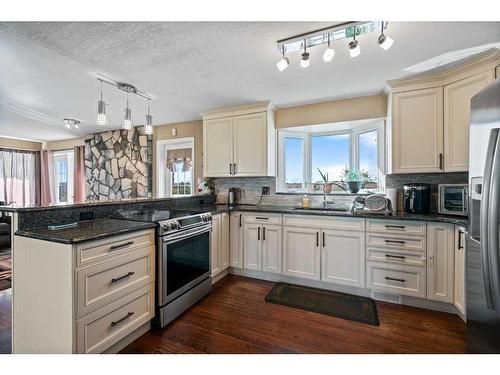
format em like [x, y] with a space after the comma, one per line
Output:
[251, 188]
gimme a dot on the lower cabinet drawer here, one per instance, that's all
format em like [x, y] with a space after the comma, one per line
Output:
[398, 279]
[397, 257]
[102, 328]
[396, 242]
[104, 282]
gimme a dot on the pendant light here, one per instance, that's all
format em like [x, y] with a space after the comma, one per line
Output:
[148, 127]
[127, 120]
[101, 111]
[283, 63]
[329, 52]
[354, 49]
[304, 59]
[384, 41]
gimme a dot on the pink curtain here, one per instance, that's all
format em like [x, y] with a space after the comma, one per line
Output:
[46, 162]
[79, 175]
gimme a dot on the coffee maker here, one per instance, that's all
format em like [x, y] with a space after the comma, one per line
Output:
[234, 196]
[417, 198]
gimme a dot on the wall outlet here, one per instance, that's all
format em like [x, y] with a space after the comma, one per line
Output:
[266, 190]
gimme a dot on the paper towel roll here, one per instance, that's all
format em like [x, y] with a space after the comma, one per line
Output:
[392, 195]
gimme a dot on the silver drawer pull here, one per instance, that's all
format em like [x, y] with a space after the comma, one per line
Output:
[121, 245]
[122, 319]
[261, 218]
[395, 226]
[122, 277]
[394, 241]
[394, 279]
[395, 256]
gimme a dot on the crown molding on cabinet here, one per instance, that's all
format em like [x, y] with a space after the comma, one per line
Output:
[488, 60]
[238, 110]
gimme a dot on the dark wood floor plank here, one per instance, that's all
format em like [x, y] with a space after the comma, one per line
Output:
[234, 318]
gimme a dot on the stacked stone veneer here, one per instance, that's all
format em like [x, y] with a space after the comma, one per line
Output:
[118, 164]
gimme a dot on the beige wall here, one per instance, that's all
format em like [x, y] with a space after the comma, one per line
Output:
[367, 107]
[64, 144]
[20, 144]
[184, 129]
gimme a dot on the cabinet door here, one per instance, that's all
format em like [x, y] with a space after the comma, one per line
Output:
[301, 252]
[459, 298]
[417, 131]
[440, 262]
[216, 245]
[250, 144]
[217, 147]
[343, 257]
[252, 253]
[457, 98]
[224, 239]
[271, 248]
[236, 240]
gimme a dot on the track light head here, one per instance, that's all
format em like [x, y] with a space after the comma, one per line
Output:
[384, 41]
[328, 54]
[354, 49]
[282, 64]
[304, 60]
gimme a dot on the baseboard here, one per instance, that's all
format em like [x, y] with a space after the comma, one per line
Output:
[220, 276]
[406, 300]
[115, 348]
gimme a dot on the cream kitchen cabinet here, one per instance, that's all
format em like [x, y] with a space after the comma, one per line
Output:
[301, 252]
[343, 257]
[262, 247]
[236, 240]
[417, 131]
[440, 262]
[459, 287]
[239, 142]
[457, 96]
[220, 243]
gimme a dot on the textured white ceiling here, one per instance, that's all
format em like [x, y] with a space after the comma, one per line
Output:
[48, 70]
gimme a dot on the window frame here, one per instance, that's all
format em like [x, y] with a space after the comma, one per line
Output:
[69, 156]
[377, 125]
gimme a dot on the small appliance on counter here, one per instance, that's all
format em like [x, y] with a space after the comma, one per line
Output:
[234, 196]
[417, 198]
[375, 203]
[453, 199]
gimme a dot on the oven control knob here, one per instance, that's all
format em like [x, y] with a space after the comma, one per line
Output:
[206, 218]
[174, 225]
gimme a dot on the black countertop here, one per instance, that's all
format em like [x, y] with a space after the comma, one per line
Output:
[86, 230]
[214, 209]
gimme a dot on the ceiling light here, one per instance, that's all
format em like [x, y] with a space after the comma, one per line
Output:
[101, 111]
[304, 59]
[148, 127]
[329, 52]
[283, 63]
[71, 123]
[354, 49]
[384, 41]
[127, 120]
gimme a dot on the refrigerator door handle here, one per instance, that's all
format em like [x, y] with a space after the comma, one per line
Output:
[493, 235]
[484, 214]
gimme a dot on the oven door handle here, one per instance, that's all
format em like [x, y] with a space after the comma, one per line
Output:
[181, 236]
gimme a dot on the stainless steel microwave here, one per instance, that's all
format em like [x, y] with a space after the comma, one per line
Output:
[453, 199]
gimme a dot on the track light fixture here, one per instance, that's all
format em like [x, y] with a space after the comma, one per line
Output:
[384, 41]
[354, 49]
[328, 35]
[329, 52]
[148, 127]
[127, 119]
[283, 63]
[101, 110]
[304, 59]
[71, 123]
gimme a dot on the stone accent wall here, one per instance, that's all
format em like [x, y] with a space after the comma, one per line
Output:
[118, 164]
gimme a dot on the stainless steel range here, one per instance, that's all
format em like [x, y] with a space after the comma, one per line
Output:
[183, 258]
[183, 264]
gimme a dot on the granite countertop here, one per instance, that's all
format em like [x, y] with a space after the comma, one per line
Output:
[215, 209]
[86, 230]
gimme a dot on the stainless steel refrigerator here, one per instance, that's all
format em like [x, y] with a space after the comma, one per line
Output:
[483, 240]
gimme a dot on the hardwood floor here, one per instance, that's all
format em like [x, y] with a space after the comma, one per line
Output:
[5, 321]
[234, 318]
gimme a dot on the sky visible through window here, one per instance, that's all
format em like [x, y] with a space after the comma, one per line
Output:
[368, 153]
[293, 152]
[329, 153]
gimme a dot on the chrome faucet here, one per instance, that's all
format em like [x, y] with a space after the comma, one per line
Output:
[327, 203]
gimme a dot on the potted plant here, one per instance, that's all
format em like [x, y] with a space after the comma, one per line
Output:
[209, 184]
[355, 179]
[327, 185]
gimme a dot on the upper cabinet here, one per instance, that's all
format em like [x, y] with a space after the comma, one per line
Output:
[239, 142]
[428, 125]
